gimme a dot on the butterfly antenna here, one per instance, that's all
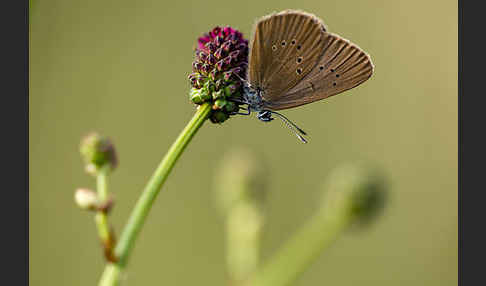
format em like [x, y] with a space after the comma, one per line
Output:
[289, 121]
[290, 125]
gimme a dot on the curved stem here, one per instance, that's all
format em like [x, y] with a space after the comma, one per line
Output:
[302, 249]
[144, 203]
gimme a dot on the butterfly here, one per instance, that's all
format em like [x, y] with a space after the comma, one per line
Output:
[294, 61]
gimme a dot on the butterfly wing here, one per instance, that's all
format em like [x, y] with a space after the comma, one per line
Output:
[285, 48]
[342, 66]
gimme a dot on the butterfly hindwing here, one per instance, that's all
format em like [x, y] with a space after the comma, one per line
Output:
[342, 66]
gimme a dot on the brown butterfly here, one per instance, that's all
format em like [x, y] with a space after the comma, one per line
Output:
[294, 60]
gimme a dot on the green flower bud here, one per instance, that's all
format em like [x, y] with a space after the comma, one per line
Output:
[230, 106]
[86, 199]
[218, 95]
[98, 152]
[195, 96]
[219, 103]
[209, 86]
[357, 190]
[218, 116]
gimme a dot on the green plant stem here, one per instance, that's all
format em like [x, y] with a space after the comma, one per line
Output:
[101, 218]
[302, 249]
[144, 203]
[102, 184]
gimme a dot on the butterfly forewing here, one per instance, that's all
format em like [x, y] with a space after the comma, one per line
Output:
[342, 66]
[286, 46]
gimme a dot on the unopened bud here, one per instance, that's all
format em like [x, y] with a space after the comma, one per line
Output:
[86, 199]
[97, 152]
[357, 190]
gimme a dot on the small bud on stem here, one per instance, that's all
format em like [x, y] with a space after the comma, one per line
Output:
[97, 152]
[86, 199]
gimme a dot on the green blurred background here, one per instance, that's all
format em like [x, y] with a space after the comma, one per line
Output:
[120, 68]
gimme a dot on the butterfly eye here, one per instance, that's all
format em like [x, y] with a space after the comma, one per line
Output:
[284, 43]
[332, 70]
[321, 68]
[337, 75]
[299, 71]
[299, 47]
[293, 42]
[274, 48]
[334, 84]
[299, 60]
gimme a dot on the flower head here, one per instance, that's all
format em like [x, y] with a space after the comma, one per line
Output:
[221, 59]
[97, 152]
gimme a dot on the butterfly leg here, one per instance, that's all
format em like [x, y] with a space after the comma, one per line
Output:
[248, 112]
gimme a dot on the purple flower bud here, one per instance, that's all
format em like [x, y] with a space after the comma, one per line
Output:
[203, 56]
[219, 53]
[218, 41]
[228, 61]
[211, 47]
[227, 75]
[228, 31]
[205, 68]
[215, 32]
[211, 59]
[242, 47]
[234, 54]
[196, 66]
[227, 46]
[220, 65]
[237, 70]
[213, 74]
[203, 40]
[243, 65]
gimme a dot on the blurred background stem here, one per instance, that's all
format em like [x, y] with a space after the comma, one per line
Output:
[240, 186]
[354, 195]
[111, 275]
[302, 249]
[101, 217]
